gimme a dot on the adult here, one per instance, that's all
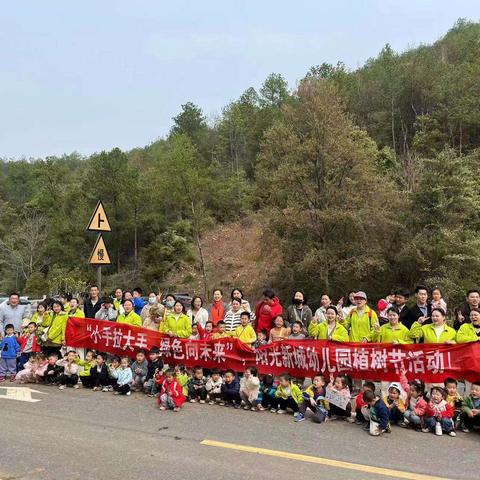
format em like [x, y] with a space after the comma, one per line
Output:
[118, 300]
[39, 316]
[153, 300]
[470, 332]
[299, 311]
[393, 331]
[436, 332]
[107, 311]
[197, 313]
[154, 319]
[472, 303]
[238, 294]
[320, 313]
[75, 310]
[345, 308]
[54, 337]
[422, 309]
[361, 320]
[12, 312]
[401, 298]
[331, 329]
[232, 317]
[267, 310]
[138, 301]
[170, 300]
[93, 303]
[129, 316]
[218, 308]
[64, 299]
[177, 324]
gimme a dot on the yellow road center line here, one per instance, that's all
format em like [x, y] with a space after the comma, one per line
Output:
[322, 461]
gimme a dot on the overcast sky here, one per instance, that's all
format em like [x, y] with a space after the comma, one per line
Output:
[91, 75]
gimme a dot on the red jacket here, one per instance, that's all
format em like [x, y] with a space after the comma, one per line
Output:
[23, 342]
[420, 406]
[175, 391]
[359, 403]
[447, 413]
[265, 318]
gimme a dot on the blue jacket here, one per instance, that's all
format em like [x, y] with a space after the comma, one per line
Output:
[9, 347]
[231, 388]
[123, 375]
[138, 304]
[380, 413]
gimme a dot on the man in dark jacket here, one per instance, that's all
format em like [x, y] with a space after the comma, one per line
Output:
[463, 313]
[422, 309]
[93, 304]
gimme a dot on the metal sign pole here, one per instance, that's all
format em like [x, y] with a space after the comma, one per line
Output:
[99, 278]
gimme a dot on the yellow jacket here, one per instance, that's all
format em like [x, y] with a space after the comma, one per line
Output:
[387, 334]
[56, 333]
[319, 331]
[181, 327]
[295, 393]
[427, 332]
[131, 319]
[360, 328]
[466, 333]
[245, 334]
[400, 404]
[78, 313]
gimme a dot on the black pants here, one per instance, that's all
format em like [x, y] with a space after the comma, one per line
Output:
[318, 415]
[232, 398]
[359, 415]
[269, 401]
[51, 379]
[123, 389]
[288, 403]
[86, 381]
[199, 393]
[214, 396]
[69, 380]
[334, 410]
[468, 422]
[99, 380]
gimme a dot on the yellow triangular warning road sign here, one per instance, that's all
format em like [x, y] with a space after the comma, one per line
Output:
[99, 255]
[99, 221]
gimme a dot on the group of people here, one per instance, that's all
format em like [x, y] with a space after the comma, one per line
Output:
[33, 349]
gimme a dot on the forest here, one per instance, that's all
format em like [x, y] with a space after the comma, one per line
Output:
[365, 178]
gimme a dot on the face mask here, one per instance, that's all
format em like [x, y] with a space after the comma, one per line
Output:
[297, 301]
[152, 299]
[170, 304]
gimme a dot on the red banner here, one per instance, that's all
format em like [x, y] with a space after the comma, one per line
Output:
[301, 358]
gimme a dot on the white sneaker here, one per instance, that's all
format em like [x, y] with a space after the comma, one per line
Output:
[281, 412]
[452, 434]
[129, 393]
[61, 387]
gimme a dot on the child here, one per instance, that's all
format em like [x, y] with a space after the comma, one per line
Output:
[69, 377]
[99, 375]
[113, 366]
[394, 403]
[123, 376]
[288, 394]
[40, 367]
[53, 371]
[297, 333]
[314, 399]
[279, 332]
[453, 397]
[208, 331]
[439, 413]
[230, 390]
[195, 335]
[261, 339]
[171, 393]
[10, 350]
[155, 364]
[221, 332]
[250, 389]
[340, 385]
[361, 407]
[196, 386]
[267, 390]
[27, 375]
[182, 377]
[214, 385]
[28, 344]
[437, 300]
[416, 405]
[139, 370]
[245, 332]
[470, 416]
[377, 414]
[87, 365]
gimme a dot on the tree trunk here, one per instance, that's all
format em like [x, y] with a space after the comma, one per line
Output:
[135, 238]
[394, 143]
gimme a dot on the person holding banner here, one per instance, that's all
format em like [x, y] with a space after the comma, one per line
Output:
[177, 324]
[330, 330]
[470, 332]
[129, 316]
[436, 332]
[245, 332]
[361, 320]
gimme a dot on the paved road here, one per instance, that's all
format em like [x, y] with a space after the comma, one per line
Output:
[81, 434]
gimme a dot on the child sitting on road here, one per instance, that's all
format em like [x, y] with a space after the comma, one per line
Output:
[27, 375]
[416, 405]
[453, 398]
[69, 377]
[139, 370]
[230, 390]
[155, 364]
[182, 377]
[123, 377]
[340, 385]
[470, 416]
[53, 371]
[361, 407]
[378, 414]
[267, 390]
[394, 403]
[250, 389]
[112, 366]
[288, 394]
[314, 400]
[196, 386]
[214, 386]
[87, 364]
[439, 413]
[171, 393]
[99, 375]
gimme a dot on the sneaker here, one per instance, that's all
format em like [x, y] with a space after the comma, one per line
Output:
[211, 402]
[202, 401]
[333, 417]
[237, 406]
[281, 412]
[2, 379]
[176, 409]
[246, 407]
[223, 404]
[116, 393]
[150, 395]
[366, 427]
[403, 424]
[260, 408]
[105, 389]
[76, 386]
[12, 378]
[350, 419]
[273, 410]
[193, 400]
[295, 414]
[358, 422]
[94, 389]
[425, 430]
[299, 418]
[452, 434]
[61, 387]
[128, 393]
[163, 408]
[464, 429]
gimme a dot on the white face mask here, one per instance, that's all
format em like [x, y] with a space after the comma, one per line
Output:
[152, 300]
